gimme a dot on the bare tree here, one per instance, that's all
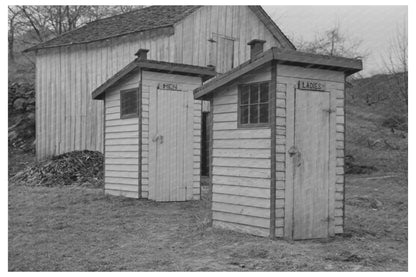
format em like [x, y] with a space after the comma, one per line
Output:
[14, 25]
[396, 64]
[40, 23]
[333, 42]
[30, 25]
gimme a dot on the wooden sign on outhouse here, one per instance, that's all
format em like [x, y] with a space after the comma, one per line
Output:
[277, 149]
[152, 130]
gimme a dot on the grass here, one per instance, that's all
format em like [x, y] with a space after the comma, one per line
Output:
[80, 229]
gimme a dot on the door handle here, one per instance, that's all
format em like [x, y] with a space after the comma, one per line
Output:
[155, 138]
[293, 150]
[297, 156]
[158, 138]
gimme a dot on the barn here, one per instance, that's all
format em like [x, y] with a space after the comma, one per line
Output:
[152, 130]
[71, 66]
[278, 142]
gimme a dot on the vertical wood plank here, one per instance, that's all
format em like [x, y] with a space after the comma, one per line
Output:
[190, 146]
[152, 145]
[67, 96]
[290, 123]
[62, 107]
[210, 151]
[77, 102]
[272, 118]
[196, 36]
[332, 165]
[84, 98]
[38, 105]
[48, 98]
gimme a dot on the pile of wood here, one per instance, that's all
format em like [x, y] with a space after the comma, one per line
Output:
[77, 168]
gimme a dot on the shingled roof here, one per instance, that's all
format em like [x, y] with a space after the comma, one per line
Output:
[281, 56]
[152, 17]
[148, 18]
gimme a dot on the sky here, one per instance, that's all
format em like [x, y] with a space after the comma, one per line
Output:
[375, 26]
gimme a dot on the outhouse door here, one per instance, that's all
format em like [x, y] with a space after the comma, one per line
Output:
[314, 160]
[170, 145]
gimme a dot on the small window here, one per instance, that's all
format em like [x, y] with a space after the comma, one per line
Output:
[253, 105]
[128, 103]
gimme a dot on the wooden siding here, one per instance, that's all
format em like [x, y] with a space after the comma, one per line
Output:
[68, 119]
[235, 23]
[280, 153]
[185, 83]
[287, 77]
[145, 139]
[240, 166]
[121, 144]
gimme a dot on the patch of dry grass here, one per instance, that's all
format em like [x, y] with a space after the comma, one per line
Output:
[80, 229]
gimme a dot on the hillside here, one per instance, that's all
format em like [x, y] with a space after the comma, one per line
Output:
[376, 129]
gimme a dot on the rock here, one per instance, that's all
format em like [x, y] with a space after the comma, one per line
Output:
[19, 104]
[31, 116]
[376, 204]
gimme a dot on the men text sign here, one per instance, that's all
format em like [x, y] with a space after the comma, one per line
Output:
[168, 86]
[311, 85]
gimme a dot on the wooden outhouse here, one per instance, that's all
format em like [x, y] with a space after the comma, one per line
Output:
[278, 141]
[152, 131]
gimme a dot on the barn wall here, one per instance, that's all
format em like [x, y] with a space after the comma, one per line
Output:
[121, 144]
[241, 165]
[67, 117]
[236, 22]
[287, 78]
[186, 83]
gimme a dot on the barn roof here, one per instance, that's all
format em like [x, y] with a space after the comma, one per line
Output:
[149, 18]
[281, 56]
[140, 20]
[152, 65]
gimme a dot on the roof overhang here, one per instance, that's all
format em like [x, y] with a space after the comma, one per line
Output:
[281, 56]
[151, 65]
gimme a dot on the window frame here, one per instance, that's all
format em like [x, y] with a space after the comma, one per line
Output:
[129, 115]
[253, 125]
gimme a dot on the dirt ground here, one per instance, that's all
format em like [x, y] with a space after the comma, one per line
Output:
[81, 229]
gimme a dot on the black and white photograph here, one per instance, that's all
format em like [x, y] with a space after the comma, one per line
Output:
[202, 137]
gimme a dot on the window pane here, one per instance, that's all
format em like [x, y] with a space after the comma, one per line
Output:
[254, 94]
[264, 113]
[244, 94]
[264, 92]
[128, 102]
[244, 114]
[254, 114]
